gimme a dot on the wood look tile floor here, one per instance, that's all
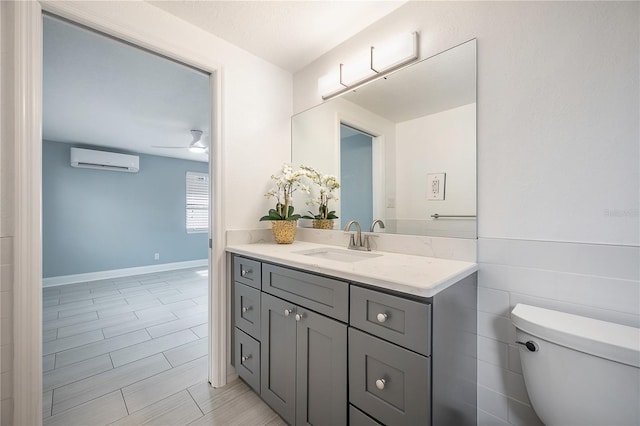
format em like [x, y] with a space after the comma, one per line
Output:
[133, 351]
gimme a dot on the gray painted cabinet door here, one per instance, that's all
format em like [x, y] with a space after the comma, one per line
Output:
[278, 358]
[321, 389]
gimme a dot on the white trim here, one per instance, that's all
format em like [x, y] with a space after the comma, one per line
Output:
[218, 297]
[124, 272]
[27, 293]
[28, 237]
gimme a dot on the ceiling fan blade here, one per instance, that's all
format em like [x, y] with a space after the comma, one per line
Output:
[195, 146]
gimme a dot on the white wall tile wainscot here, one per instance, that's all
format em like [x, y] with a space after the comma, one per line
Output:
[594, 280]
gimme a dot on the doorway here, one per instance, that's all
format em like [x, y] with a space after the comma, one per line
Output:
[125, 247]
[26, 84]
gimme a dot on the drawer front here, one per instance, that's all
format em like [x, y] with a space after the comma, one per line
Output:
[358, 418]
[247, 359]
[246, 271]
[246, 309]
[401, 321]
[324, 295]
[389, 383]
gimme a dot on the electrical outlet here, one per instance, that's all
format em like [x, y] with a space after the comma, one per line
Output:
[391, 202]
[156, 256]
[435, 186]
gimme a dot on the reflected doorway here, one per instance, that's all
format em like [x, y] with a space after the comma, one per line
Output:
[356, 175]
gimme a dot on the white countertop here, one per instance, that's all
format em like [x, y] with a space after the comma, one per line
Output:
[416, 275]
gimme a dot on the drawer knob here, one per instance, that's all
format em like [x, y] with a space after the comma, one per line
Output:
[245, 309]
[245, 358]
[245, 272]
[287, 312]
[380, 383]
[299, 317]
[382, 317]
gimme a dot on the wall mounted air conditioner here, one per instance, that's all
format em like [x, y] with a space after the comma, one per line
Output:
[92, 159]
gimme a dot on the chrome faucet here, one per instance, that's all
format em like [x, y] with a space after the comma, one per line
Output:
[355, 242]
[376, 222]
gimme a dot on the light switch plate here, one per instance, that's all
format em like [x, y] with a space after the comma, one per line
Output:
[435, 186]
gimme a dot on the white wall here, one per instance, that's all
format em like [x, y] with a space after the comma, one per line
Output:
[557, 105]
[444, 142]
[558, 163]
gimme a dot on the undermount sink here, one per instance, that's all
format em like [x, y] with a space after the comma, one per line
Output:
[340, 255]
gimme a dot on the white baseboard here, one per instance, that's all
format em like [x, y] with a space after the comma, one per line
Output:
[117, 273]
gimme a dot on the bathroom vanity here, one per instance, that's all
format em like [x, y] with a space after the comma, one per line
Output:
[328, 336]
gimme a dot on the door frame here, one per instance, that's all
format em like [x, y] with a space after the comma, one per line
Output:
[27, 127]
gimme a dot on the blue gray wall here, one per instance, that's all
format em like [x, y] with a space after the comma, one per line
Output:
[356, 180]
[96, 220]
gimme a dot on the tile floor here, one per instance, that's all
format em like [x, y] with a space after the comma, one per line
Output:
[133, 351]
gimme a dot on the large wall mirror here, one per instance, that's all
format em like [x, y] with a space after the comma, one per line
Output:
[403, 147]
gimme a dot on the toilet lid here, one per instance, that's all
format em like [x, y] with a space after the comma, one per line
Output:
[608, 340]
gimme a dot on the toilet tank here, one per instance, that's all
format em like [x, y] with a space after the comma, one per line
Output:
[585, 371]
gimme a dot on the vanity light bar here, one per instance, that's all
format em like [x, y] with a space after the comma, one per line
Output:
[378, 61]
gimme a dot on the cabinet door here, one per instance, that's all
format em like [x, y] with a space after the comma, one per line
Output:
[247, 359]
[321, 388]
[389, 383]
[247, 271]
[246, 309]
[278, 358]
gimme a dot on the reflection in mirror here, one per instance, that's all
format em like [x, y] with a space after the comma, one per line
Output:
[402, 147]
[356, 176]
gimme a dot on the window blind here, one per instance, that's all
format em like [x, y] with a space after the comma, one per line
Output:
[197, 202]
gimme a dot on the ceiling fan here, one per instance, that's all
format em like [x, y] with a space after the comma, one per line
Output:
[196, 146]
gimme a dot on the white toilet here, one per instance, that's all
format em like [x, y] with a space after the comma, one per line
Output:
[578, 370]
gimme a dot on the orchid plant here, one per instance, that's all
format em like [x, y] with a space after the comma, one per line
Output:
[327, 184]
[287, 182]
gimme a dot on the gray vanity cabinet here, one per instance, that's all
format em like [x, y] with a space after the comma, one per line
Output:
[304, 364]
[322, 351]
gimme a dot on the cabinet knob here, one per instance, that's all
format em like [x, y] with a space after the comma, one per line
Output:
[245, 358]
[287, 312]
[380, 383]
[381, 317]
[299, 317]
[245, 272]
[245, 309]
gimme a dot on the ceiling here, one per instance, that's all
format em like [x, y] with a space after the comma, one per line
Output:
[103, 92]
[290, 34]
